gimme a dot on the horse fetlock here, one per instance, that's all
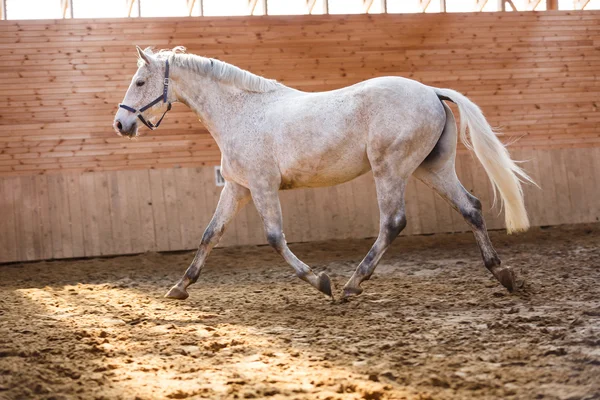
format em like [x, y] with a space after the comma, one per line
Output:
[191, 277]
[351, 291]
[352, 288]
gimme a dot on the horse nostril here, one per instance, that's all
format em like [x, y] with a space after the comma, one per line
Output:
[119, 126]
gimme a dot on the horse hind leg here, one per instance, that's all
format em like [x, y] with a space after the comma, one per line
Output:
[449, 187]
[392, 220]
[438, 172]
[393, 160]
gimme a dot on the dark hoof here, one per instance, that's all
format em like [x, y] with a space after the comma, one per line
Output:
[508, 279]
[350, 291]
[325, 284]
[177, 293]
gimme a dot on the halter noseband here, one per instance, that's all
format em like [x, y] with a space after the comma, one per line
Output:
[162, 97]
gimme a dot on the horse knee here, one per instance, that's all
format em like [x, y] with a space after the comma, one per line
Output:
[210, 234]
[276, 240]
[394, 226]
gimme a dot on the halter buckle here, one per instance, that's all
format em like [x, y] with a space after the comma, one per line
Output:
[166, 82]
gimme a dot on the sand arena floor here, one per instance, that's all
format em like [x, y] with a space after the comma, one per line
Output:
[432, 324]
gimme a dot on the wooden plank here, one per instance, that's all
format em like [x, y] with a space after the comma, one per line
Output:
[118, 211]
[561, 185]
[305, 222]
[534, 203]
[426, 208]
[586, 182]
[102, 200]
[9, 247]
[57, 211]
[76, 216]
[89, 214]
[28, 227]
[184, 203]
[172, 209]
[593, 164]
[45, 227]
[159, 211]
[290, 215]
[331, 205]
[574, 186]
[346, 193]
[548, 187]
[133, 214]
[145, 206]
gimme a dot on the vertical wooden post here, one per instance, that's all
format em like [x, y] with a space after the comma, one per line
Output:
[442, 5]
[501, 5]
[551, 4]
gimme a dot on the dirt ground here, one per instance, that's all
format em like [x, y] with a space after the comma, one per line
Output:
[432, 324]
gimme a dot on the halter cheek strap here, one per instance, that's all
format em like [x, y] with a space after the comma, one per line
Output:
[162, 98]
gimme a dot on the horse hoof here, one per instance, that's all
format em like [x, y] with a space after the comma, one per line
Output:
[350, 291]
[177, 293]
[506, 276]
[324, 285]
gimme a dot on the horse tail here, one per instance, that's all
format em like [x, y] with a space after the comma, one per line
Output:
[505, 174]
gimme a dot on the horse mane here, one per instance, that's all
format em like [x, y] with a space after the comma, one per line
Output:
[218, 70]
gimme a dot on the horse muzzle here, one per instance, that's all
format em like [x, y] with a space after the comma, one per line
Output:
[124, 129]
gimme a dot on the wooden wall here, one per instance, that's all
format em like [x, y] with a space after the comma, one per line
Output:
[70, 187]
[534, 74]
[119, 212]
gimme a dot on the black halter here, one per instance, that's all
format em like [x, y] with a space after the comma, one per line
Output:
[162, 97]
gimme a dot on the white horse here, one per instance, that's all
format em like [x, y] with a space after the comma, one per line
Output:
[273, 137]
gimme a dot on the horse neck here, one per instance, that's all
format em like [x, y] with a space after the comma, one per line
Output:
[215, 103]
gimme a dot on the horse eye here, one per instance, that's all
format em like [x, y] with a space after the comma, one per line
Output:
[140, 83]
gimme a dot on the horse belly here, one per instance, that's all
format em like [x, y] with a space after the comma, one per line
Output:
[324, 170]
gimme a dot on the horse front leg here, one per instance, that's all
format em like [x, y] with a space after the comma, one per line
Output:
[233, 198]
[267, 203]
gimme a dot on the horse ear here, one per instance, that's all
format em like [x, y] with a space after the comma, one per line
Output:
[143, 56]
